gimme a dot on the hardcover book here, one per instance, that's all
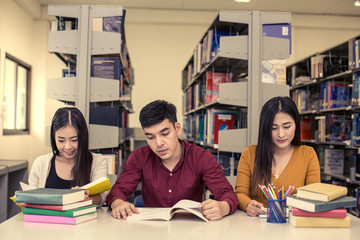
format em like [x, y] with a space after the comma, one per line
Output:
[319, 222]
[50, 196]
[98, 186]
[59, 219]
[68, 213]
[335, 213]
[213, 80]
[318, 206]
[222, 121]
[183, 206]
[64, 207]
[321, 191]
[334, 161]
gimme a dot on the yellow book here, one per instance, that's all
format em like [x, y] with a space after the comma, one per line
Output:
[319, 222]
[98, 186]
[321, 192]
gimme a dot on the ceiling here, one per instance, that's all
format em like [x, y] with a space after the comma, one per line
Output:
[319, 7]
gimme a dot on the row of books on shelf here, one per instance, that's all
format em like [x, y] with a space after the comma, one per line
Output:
[340, 161]
[208, 48]
[205, 126]
[206, 90]
[324, 65]
[334, 127]
[332, 95]
[321, 205]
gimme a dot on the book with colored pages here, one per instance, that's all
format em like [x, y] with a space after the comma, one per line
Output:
[183, 206]
[64, 207]
[98, 186]
[318, 206]
[318, 222]
[68, 213]
[321, 192]
[50, 196]
[335, 213]
[59, 219]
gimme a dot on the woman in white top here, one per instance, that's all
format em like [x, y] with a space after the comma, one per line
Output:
[70, 164]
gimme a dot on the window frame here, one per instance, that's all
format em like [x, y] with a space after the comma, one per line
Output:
[18, 63]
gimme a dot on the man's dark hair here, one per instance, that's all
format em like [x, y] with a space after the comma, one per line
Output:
[156, 112]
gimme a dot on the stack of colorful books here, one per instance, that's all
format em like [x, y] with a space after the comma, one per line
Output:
[62, 206]
[320, 205]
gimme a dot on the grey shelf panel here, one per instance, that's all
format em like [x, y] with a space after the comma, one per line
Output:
[275, 48]
[63, 41]
[273, 90]
[105, 43]
[102, 136]
[234, 47]
[102, 90]
[233, 94]
[233, 140]
[106, 11]
[65, 10]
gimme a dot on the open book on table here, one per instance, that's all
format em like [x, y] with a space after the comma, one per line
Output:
[184, 206]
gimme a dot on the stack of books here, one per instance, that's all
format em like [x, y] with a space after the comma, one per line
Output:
[320, 205]
[62, 206]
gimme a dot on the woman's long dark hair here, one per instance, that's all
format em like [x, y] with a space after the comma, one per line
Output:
[83, 160]
[264, 150]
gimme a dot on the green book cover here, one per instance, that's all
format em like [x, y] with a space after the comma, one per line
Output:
[68, 213]
[319, 206]
[50, 196]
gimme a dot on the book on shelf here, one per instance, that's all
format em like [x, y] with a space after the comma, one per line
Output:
[334, 161]
[67, 213]
[59, 219]
[321, 191]
[334, 213]
[318, 206]
[305, 129]
[106, 67]
[319, 222]
[50, 196]
[222, 121]
[107, 115]
[274, 71]
[183, 206]
[98, 186]
[62, 207]
[213, 80]
[107, 24]
[338, 127]
[280, 30]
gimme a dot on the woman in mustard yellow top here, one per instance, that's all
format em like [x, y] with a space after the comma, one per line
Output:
[278, 158]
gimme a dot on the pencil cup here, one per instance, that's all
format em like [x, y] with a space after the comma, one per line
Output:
[276, 211]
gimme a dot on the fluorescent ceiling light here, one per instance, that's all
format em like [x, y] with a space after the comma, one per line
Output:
[249, 0]
[357, 3]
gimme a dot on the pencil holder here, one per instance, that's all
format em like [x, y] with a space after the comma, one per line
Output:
[276, 210]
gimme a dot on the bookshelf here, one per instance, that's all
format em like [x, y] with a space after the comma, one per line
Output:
[82, 37]
[325, 87]
[239, 52]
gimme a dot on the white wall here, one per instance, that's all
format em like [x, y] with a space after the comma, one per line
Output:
[160, 44]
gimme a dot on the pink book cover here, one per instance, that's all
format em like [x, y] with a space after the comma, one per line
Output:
[213, 80]
[58, 219]
[335, 213]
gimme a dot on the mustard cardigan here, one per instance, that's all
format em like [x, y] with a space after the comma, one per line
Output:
[302, 169]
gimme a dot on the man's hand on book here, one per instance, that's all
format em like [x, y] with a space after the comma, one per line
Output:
[214, 210]
[122, 209]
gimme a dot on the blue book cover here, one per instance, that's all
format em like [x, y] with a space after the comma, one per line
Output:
[105, 67]
[278, 30]
[105, 115]
[339, 95]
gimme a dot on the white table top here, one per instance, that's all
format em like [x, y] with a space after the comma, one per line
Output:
[236, 226]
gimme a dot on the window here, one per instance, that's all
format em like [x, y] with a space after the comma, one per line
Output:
[16, 96]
